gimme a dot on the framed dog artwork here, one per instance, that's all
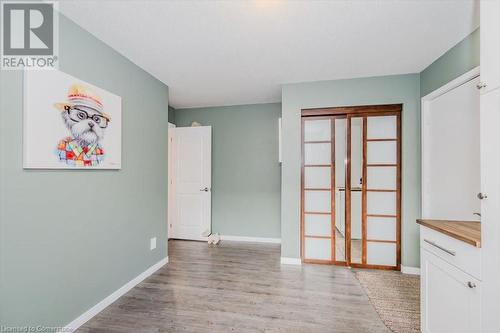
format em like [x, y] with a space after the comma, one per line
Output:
[69, 123]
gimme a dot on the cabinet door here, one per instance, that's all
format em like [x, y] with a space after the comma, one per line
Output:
[490, 209]
[450, 298]
[490, 44]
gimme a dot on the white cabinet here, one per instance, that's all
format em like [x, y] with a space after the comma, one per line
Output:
[490, 164]
[451, 300]
[490, 45]
[450, 284]
[490, 210]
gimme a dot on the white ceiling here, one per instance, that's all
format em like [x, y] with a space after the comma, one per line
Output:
[240, 52]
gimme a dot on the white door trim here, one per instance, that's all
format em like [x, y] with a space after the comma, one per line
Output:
[291, 261]
[170, 173]
[93, 311]
[250, 239]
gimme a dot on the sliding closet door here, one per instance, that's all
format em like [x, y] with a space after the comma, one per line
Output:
[351, 186]
[318, 179]
[381, 190]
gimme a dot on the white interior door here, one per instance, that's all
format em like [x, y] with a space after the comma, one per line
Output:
[192, 148]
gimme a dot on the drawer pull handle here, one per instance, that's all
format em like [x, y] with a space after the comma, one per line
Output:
[471, 285]
[450, 252]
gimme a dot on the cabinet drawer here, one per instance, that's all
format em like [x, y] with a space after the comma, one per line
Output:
[458, 253]
[451, 298]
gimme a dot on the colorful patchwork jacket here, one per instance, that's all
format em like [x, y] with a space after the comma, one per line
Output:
[71, 153]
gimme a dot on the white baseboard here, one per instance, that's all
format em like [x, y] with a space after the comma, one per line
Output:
[410, 270]
[291, 261]
[93, 311]
[250, 239]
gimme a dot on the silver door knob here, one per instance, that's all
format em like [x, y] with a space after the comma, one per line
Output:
[481, 196]
[471, 284]
[204, 189]
[481, 85]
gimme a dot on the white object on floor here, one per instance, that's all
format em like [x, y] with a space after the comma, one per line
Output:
[214, 239]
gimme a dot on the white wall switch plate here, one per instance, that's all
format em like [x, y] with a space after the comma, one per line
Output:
[152, 243]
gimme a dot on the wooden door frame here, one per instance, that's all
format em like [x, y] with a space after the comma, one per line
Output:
[350, 112]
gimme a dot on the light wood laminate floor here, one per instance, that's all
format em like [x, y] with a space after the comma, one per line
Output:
[240, 287]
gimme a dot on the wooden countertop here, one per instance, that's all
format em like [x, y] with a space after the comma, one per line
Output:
[465, 231]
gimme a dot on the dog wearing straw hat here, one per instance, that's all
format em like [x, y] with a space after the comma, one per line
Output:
[84, 117]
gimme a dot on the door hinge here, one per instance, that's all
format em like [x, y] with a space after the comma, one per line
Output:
[481, 85]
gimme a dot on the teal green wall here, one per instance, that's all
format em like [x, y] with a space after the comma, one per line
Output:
[245, 169]
[366, 91]
[456, 61]
[171, 115]
[58, 258]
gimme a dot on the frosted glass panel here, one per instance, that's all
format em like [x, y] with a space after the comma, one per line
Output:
[356, 214]
[382, 178]
[383, 203]
[317, 225]
[381, 228]
[317, 153]
[340, 152]
[317, 201]
[318, 177]
[381, 253]
[318, 248]
[381, 127]
[382, 152]
[356, 151]
[317, 130]
[356, 251]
